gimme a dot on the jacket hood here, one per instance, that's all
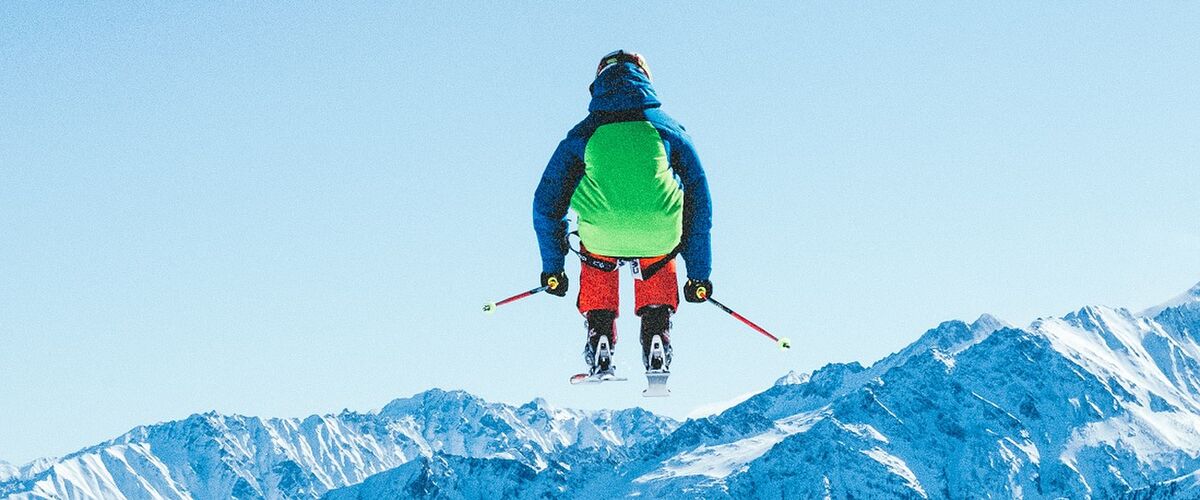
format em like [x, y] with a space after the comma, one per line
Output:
[622, 87]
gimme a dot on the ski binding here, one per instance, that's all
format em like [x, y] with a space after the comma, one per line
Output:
[601, 365]
[656, 370]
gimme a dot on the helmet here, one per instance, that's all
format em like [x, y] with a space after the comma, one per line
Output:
[620, 56]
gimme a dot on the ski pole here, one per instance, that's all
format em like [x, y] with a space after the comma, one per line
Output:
[491, 308]
[783, 343]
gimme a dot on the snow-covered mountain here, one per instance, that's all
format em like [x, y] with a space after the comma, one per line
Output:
[1182, 487]
[216, 456]
[1092, 405]
[1099, 403]
[1188, 298]
[8, 471]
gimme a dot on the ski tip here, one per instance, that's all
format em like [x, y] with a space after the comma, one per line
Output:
[489, 308]
[785, 343]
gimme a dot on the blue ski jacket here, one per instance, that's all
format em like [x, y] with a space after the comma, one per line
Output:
[633, 177]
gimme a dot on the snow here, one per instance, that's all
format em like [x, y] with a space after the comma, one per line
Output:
[1148, 435]
[1111, 344]
[866, 431]
[1098, 403]
[8, 471]
[801, 422]
[896, 466]
[1029, 449]
[1188, 483]
[1192, 296]
[982, 327]
[212, 456]
[793, 378]
[719, 461]
[716, 461]
[116, 472]
[37, 466]
[946, 359]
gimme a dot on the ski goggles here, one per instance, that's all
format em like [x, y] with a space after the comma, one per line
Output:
[620, 56]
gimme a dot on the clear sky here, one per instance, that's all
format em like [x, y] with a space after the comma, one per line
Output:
[280, 210]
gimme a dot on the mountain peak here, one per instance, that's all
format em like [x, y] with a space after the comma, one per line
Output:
[1085, 313]
[539, 403]
[1099, 318]
[986, 323]
[1191, 296]
[8, 471]
[952, 337]
[432, 399]
[792, 378]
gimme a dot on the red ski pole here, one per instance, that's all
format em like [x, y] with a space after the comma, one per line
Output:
[783, 343]
[491, 308]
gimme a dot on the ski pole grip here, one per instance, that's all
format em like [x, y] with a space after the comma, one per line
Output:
[552, 282]
[702, 292]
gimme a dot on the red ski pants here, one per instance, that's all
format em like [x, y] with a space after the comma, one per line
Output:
[598, 289]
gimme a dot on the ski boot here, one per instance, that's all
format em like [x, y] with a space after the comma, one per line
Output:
[656, 349]
[597, 352]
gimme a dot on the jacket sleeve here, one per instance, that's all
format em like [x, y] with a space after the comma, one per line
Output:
[551, 200]
[697, 208]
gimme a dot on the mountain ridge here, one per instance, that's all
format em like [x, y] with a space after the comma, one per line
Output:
[209, 455]
[1098, 403]
[1191, 296]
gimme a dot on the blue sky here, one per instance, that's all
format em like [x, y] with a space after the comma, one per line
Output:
[280, 210]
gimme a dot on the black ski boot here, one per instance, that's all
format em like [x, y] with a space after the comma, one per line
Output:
[602, 337]
[656, 338]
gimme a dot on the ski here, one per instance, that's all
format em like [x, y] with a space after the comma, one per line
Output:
[656, 384]
[584, 378]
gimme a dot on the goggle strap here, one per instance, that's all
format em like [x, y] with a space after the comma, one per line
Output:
[619, 57]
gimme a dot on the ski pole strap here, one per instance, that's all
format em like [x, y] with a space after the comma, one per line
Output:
[607, 266]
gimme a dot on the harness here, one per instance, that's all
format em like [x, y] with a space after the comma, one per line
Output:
[639, 272]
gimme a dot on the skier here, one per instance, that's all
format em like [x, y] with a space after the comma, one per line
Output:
[630, 173]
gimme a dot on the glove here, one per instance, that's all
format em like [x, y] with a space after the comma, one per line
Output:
[557, 282]
[697, 290]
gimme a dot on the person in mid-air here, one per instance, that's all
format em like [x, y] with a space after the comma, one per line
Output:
[631, 175]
